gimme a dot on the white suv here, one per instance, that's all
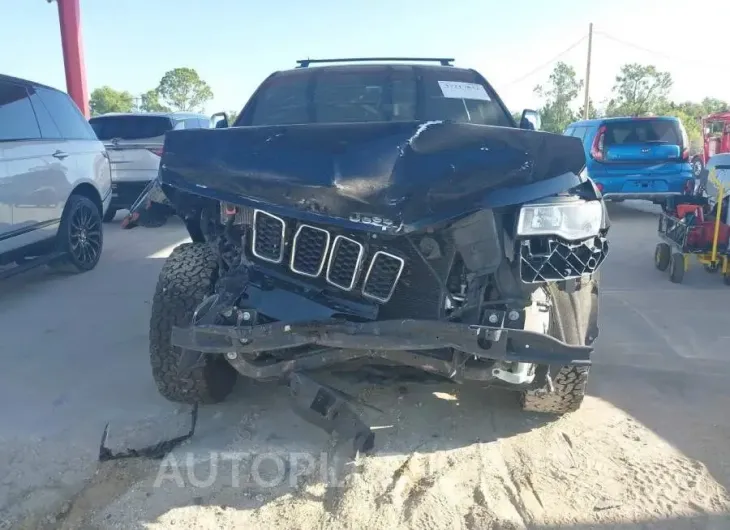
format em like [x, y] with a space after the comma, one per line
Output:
[134, 142]
[55, 180]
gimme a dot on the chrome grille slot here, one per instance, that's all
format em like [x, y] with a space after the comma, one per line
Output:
[309, 250]
[268, 237]
[344, 263]
[382, 276]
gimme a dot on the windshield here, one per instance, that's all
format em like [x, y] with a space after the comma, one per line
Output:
[374, 95]
[642, 132]
[130, 127]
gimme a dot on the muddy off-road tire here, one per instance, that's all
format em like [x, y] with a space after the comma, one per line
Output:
[569, 382]
[188, 276]
[570, 389]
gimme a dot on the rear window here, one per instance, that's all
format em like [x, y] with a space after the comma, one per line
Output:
[130, 127]
[373, 95]
[643, 132]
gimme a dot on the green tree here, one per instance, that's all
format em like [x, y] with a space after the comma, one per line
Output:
[150, 102]
[593, 112]
[559, 93]
[689, 114]
[711, 105]
[106, 99]
[183, 89]
[691, 125]
[232, 115]
[639, 90]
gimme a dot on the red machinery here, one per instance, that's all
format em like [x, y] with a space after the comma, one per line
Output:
[693, 226]
[715, 139]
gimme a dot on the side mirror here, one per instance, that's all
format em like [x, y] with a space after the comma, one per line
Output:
[222, 123]
[530, 120]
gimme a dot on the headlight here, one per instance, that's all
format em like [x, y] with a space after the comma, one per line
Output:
[574, 220]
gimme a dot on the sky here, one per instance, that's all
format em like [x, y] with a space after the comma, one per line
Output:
[235, 44]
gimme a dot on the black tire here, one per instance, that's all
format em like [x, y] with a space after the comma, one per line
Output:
[569, 382]
[726, 279]
[188, 276]
[569, 390]
[676, 268]
[662, 256]
[109, 215]
[80, 236]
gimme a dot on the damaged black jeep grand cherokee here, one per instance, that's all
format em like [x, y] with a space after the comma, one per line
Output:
[377, 215]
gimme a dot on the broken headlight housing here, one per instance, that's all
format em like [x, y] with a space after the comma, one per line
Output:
[561, 240]
[572, 221]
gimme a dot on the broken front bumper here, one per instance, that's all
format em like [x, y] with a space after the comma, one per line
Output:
[416, 343]
[310, 333]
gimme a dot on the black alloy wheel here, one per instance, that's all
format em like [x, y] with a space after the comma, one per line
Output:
[85, 237]
[80, 236]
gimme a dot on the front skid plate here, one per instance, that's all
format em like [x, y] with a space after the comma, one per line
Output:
[384, 337]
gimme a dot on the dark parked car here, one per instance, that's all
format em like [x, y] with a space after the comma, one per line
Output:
[381, 216]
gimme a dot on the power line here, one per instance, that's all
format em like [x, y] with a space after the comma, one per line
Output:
[547, 63]
[612, 38]
[655, 52]
[632, 45]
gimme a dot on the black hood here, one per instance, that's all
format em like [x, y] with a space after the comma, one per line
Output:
[403, 172]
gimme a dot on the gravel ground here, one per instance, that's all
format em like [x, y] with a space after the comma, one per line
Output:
[649, 448]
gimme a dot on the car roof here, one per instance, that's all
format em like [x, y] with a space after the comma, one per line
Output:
[159, 114]
[26, 82]
[370, 67]
[599, 121]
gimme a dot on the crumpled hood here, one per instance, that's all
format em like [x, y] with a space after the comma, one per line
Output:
[401, 172]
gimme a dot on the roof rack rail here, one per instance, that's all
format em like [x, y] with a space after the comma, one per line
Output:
[304, 63]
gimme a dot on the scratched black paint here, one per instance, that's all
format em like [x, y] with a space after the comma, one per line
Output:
[403, 171]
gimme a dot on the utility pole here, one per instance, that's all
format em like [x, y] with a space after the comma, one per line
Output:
[588, 71]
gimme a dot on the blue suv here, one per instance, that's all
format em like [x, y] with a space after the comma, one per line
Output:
[636, 158]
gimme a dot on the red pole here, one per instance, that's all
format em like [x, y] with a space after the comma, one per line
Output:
[69, 16]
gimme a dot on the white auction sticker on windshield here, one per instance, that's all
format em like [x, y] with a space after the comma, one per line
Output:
[458, 90]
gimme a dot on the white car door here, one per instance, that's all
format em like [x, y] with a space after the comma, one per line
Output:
[31, 175]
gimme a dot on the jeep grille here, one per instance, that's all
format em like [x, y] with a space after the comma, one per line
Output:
[317, 253]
